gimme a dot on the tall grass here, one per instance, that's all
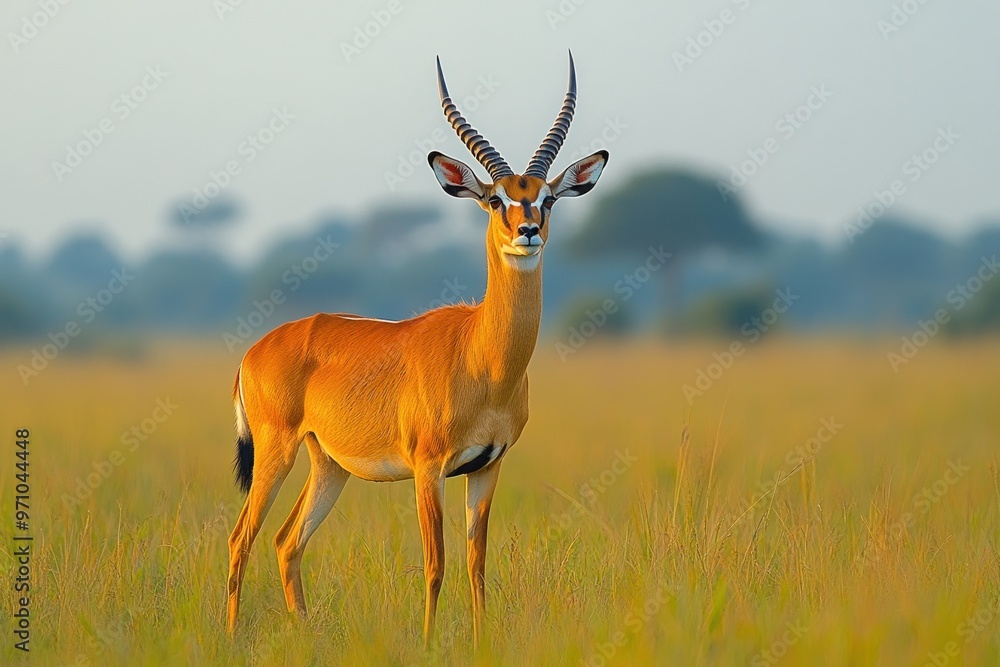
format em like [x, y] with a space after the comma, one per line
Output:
[629, 525]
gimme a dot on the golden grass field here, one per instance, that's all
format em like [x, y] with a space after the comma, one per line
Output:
[880, 547]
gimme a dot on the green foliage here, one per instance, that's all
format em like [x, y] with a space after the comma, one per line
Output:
[981, 314]
[182, 288]
[679, 209]
[724, 313]
[390, 228]
[593, 308]
[17, 318]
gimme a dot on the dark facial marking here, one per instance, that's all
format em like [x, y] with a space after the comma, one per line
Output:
[503, 216]
[526, 206]
[523, 182]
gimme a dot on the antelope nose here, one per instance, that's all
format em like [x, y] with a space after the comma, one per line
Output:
[528, 230]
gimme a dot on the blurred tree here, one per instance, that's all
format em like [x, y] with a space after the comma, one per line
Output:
[675, 208]
[316, 271]
[388, 231]
[82, 264]
[984, 243]
[184, 290]
[608, 317]
[895, 271]
[17, 316]
[978, 315]
[730, 313]
[26, 303]
[896, 250]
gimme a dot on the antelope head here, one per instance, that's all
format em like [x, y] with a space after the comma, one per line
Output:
[519, 205]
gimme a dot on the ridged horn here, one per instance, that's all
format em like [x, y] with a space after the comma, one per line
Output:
[542, 160]
[477, 145]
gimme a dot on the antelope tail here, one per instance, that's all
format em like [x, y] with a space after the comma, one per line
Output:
[243, 464]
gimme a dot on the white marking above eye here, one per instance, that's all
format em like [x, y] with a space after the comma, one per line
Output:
[507, 201]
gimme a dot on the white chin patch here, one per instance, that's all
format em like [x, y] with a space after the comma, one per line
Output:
[523, 250]
[522, 258]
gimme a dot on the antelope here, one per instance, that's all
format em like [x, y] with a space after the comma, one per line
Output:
[443, 394]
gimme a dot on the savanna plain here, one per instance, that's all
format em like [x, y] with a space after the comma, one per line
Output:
[809, 506]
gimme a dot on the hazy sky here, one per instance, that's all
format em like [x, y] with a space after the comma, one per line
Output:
[346, 119]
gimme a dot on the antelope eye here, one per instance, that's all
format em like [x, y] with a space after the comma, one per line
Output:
[495, 202]
[548, 202]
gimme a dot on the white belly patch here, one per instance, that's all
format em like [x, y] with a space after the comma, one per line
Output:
[375, 470]
[469, 460]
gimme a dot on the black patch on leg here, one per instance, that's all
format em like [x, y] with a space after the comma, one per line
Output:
[475, 464]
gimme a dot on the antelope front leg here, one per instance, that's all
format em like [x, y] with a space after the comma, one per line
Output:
[430, 494]
[479, 487]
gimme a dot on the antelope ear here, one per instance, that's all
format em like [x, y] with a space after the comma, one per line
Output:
[456, 177]
[580, 177]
